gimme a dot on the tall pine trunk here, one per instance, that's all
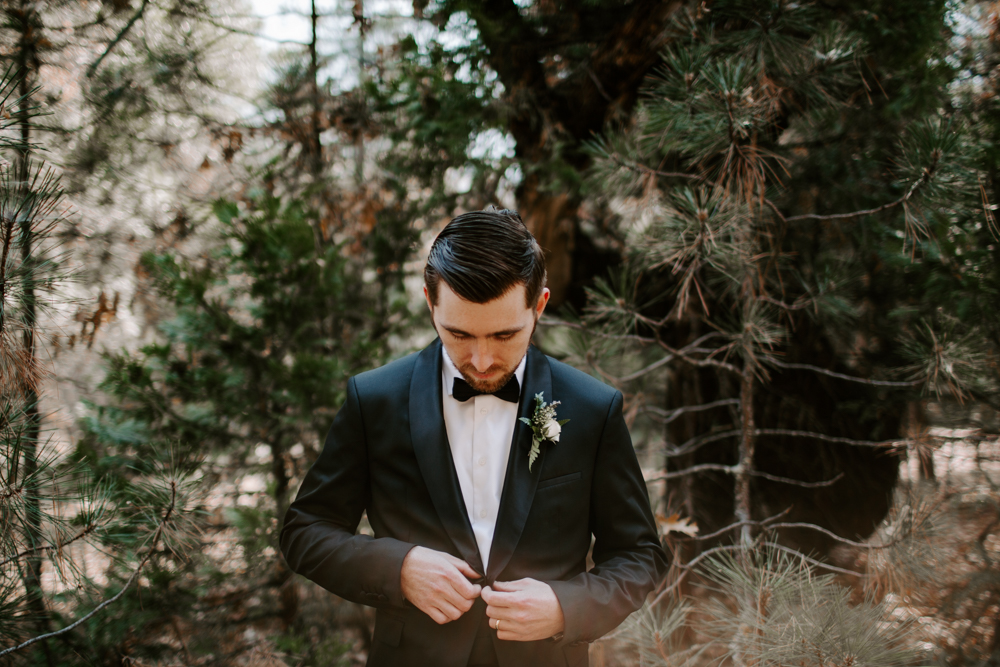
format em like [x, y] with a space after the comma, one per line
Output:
[27, 19]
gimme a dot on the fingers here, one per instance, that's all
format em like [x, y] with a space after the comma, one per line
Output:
[463, 586]
[445, 612]
[454, 598]
[461, 582]
[511, 586]
[510, 629]
[514, 614]
[464, 568]
[436, 583]
[496, 598]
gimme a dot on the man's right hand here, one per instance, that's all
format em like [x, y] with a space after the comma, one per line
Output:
[438, 584]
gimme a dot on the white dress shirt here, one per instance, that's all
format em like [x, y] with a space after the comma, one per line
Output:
[480, 431]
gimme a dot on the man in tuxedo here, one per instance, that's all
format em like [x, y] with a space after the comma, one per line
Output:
[479, 555]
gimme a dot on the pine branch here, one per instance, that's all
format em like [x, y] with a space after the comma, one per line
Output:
[737, 470]
[119, 594]
[831, 438]
[691, 347]
[37, 550]
[697, 362]
[553, 322]
[7, 238]
[828, 533]
[118, 38]
[687, 568]
[691, 470]
[817, 563]
[738, 524]
[846, 216]
[925, 177]
[698, 441]
[649, 171]
[795, 482]
[851, 378]
[667, 416]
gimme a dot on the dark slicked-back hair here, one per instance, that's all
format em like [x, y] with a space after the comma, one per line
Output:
[482, 255]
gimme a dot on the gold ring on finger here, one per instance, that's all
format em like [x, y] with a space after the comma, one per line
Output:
[498, 625]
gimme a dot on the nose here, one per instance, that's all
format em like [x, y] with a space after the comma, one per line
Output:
[482, 357]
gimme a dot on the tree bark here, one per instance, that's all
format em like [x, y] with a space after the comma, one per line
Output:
[743, 500]
[359, 140]
[315, 146]
[552, 114]
[26, 18]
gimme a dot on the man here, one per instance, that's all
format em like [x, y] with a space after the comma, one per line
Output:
[479, 554]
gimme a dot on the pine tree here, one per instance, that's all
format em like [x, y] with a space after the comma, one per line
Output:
[795, 273]
[768, 609]
[52, 512]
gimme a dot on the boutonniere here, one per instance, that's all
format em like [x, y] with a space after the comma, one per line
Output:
[544, 426]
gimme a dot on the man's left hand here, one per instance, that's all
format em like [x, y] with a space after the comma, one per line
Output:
[527, 610]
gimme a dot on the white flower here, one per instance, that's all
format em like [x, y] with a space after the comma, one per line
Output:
[544, 426]
[552, 430]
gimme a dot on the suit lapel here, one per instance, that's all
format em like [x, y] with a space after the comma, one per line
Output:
[520, 483]
[430, 443]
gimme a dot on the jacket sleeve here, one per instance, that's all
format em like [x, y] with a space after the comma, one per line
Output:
[318, 539]
[629, 560]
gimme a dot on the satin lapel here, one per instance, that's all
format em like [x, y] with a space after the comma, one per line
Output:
[430, 443]
[519, 484]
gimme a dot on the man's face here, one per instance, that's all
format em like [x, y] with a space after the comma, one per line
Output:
[486, 341]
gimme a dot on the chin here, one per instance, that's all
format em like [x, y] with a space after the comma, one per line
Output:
[498, 380]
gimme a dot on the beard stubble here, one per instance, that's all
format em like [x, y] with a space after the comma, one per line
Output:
[490, 386]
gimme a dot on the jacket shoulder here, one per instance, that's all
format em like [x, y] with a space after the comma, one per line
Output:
[387, 380]
[581, 385]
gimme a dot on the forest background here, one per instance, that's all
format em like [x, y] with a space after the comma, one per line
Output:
[770, 224]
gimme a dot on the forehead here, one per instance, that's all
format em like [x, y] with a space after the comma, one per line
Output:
[506, 312]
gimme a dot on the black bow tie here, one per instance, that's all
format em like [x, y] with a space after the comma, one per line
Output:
[510, 392]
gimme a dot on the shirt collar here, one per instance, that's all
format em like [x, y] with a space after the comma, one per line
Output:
[449, 371]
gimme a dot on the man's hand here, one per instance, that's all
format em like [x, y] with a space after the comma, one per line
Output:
[526, 609]
[438, 583]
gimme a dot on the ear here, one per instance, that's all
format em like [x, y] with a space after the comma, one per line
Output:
[543, 299]
[427, 296]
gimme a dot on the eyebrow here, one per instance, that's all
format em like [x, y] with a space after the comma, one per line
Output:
[495, 334]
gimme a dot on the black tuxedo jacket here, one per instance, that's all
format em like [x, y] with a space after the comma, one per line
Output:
[387, 452]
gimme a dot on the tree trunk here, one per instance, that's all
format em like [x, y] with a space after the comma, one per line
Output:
[913, 430]
[552, 221]
[315, 146]
[359, 140]
[26, 19]
[743, 499]
[552, 115]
